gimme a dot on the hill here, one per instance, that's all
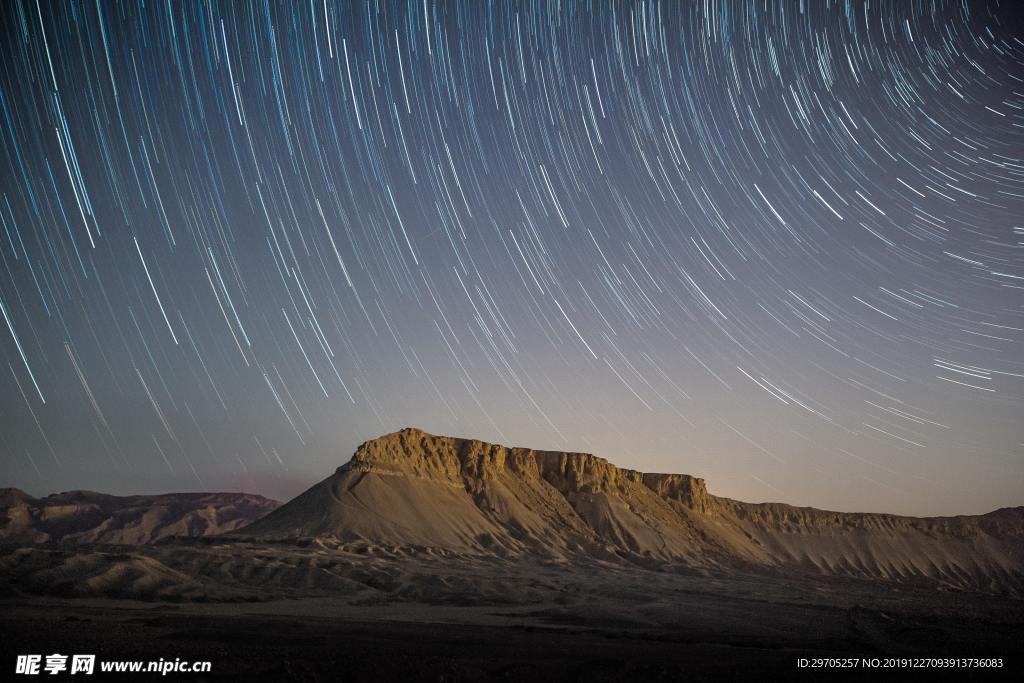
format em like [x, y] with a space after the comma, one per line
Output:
[416, 491]
[90, 517]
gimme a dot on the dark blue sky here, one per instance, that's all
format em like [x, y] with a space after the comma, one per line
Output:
[774, 244]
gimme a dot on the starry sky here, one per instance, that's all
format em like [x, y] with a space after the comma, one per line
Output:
[776, 244]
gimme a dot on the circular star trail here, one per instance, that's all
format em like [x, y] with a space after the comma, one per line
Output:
[775, 244]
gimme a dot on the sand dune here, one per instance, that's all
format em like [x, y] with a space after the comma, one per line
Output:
[89, 517]
[413, 490]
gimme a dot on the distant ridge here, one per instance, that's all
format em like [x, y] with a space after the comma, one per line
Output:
[90, 517]
[417, 491]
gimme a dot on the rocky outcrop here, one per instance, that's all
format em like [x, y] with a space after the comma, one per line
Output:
[413, 452]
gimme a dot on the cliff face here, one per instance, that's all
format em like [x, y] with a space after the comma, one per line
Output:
[467, 462]
[416, 491]
[89, 517]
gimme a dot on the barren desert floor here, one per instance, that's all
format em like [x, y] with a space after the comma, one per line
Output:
[458, 619]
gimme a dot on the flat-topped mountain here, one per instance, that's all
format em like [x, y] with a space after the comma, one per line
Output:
[418, 491]
[90, 517]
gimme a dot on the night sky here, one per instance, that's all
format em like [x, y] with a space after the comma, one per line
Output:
[776, 244]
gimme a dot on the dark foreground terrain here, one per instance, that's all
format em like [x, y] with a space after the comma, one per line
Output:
[244, 644]
[551, 623]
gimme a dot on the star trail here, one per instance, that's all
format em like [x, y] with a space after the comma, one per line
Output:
[775, 243]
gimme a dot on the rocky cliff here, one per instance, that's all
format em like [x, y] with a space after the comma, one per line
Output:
[418, 491]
